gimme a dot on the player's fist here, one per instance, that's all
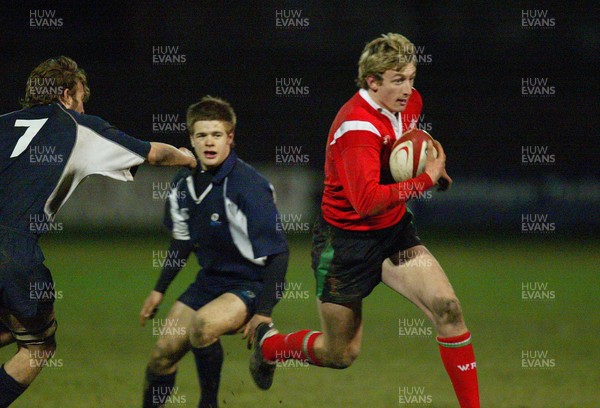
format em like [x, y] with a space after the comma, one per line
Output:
[150, 306]
[250, 327]
[187, 152]
[435, 167]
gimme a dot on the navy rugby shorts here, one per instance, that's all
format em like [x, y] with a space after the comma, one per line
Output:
[347, 264]
[26, 285]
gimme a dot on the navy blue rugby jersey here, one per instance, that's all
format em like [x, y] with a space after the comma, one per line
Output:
[233, 224]
[46, 151]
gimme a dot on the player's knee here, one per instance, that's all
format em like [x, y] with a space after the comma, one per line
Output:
[40, 353]
[345, 358]
[162, 357]
[447, 310]
[201, 335]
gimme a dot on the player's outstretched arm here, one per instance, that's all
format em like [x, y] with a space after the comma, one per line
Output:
[436, 167]
[162, 154]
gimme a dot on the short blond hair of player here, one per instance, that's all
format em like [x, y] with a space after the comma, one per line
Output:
[389, 52]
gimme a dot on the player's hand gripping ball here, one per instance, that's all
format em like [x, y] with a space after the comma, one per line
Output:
[409, 154]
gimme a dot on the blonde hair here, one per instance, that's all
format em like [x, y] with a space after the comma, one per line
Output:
[48, 80]
[390, 51]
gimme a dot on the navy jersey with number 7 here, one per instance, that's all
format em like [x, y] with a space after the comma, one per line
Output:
[46, 151]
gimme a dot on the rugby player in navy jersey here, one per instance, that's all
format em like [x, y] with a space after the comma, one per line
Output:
[223, 212]
[366, 234]
[52, 119]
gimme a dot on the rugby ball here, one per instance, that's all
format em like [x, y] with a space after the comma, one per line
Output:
[409, 154]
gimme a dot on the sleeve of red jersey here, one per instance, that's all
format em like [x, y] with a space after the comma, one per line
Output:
[359, 172]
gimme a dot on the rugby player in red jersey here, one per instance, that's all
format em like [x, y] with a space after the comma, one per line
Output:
[365, 234]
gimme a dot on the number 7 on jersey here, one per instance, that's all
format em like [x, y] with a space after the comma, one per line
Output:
[33, 127]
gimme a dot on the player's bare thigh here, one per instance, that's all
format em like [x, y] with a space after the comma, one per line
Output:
[11, 322]
[339, 345]
[225, 314]
[417, 275]
[16, 323]
[174, 338]
[29, 360]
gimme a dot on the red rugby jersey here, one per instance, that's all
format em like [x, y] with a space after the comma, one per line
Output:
[360, 193]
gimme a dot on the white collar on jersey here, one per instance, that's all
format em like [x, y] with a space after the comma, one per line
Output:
[393, 118]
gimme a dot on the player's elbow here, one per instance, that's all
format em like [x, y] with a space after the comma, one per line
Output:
[367, 208]
[365, 213]
[370, 202]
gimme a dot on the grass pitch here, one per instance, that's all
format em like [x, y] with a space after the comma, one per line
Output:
[538, 349]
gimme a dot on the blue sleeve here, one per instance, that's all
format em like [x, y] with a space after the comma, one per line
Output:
[266, 236]
[167, 220]
[110, 132]
[273, 283]
[177, 256]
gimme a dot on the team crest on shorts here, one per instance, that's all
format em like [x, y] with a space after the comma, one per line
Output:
[214, 220]
[249, 294]
[333, 283]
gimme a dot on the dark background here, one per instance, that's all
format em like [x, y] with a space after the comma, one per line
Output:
[471, 89]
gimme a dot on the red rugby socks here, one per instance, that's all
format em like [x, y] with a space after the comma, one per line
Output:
[296, 346]
[459, 360]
